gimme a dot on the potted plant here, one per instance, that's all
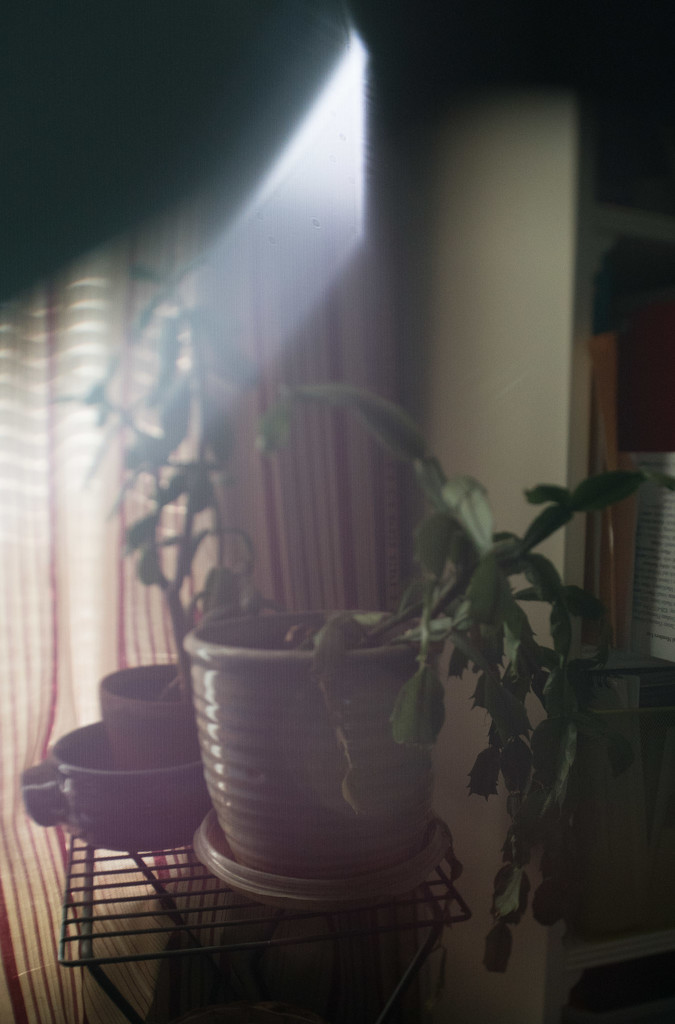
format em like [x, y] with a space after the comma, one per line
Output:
[465, 597]
[177, 441]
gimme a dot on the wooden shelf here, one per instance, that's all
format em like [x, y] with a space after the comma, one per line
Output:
[625, 222]
[582, 953]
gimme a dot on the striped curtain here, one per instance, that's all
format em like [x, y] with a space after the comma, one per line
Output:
[324, 515]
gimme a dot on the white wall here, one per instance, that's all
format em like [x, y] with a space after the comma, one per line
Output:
[497, 406]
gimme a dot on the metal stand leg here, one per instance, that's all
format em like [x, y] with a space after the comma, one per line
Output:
[416, 963]
[113, 993]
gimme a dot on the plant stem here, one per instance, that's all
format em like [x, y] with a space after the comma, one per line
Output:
[177, 612]
[180, 629]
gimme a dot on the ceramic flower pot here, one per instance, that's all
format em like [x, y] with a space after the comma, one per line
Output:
[78, 787]
[145, 728]
[274, 767]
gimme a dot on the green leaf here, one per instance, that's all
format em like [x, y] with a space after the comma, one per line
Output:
[419, 710]
[545, 743]
[528, 822]
[662, 479]
[96, 394]
[546, 523]
[591, 725]
[544, 577]
[492, 642]
[339, 634]
[547, 658]
[517, 628]
[169, 350]
[514, 801]
[507, 712]
[516, 764]
[498, 943]
[174, 413]
[559, 695]
[580, 602]
[478, 695]
[437, 631]
[149, 570]
[484, 590]
[462, 618]
[554, 747]
[177, 485]
[561, 628]
[512, 887]
[368, 620]
[484, 775]
[458, 663]
[147, 450]
[605, 489]
[433, 538]
[567, 753]
[467, 500]
[141, 532]
[548, 492]
[390, 425]
[413, 596]
[431, 479]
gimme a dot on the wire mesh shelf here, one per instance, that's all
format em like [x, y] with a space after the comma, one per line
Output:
[123, 907]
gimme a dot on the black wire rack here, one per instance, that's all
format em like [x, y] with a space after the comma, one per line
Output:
[122, 907]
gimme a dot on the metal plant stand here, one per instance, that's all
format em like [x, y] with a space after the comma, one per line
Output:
[151, 897]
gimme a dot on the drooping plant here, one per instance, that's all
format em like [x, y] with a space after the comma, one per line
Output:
[172, 403]
[470, 595]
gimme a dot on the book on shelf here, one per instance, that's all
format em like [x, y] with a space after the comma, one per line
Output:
[632, 558]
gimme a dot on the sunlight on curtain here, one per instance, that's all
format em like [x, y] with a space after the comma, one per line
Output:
[52, 614]
[296, 286]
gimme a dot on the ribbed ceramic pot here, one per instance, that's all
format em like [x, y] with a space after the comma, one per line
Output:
[272, 762]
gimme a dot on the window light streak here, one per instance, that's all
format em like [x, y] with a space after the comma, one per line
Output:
[88, 282]
[345, 89]
[306, 218]
[87, 326]
[99, 305]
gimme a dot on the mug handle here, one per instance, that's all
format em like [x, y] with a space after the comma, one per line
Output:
[42, 794]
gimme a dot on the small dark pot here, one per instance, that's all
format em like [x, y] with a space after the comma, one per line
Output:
[274, 766]
[77, 787]
[144, 730]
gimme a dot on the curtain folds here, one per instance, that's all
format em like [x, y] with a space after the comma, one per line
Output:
[324, 517]
[297, 294]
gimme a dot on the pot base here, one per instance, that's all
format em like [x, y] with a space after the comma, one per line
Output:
[211, 848]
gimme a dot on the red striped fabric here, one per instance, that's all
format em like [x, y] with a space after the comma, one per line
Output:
[303, 305]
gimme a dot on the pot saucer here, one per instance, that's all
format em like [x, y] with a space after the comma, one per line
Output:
[211, 848]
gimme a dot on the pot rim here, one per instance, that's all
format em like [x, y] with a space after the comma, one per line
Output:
[68, 765]
[161, 668]
[212, 652]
